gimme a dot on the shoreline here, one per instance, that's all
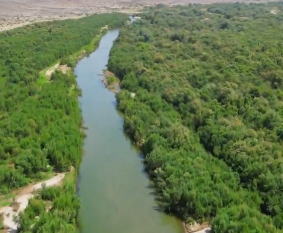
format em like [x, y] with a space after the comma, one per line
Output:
[20, 202]
[196, 228]
[110, 81]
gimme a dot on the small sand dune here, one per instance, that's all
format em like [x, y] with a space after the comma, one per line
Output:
[22, 200]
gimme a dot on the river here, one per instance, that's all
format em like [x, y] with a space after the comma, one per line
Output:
[112, 184]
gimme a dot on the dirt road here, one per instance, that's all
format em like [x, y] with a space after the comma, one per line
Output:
[206, 230]
[22, 200]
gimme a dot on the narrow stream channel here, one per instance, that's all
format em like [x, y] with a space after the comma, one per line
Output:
[112, 185]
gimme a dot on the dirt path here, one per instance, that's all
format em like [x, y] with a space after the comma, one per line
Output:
[51, 70]
[206, 230]
[22, 200]
[63, 68]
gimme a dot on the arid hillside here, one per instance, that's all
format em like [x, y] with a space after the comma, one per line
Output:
[15, 13]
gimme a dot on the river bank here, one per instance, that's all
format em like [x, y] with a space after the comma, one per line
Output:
[196, 228]
[111, 82]
[17, 201]
[113, 188]
[110, 183]
[48, 125]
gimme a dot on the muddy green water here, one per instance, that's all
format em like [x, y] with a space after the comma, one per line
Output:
[112, 185]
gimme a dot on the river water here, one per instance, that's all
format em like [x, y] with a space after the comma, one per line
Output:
[112, 185]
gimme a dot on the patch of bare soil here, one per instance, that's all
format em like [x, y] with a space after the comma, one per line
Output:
[110, 81]
[21, 201]
[17, 13]
[196, 228]
[104, 28]
[63, 68]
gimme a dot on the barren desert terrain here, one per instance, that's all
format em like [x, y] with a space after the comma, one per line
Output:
[16, 13]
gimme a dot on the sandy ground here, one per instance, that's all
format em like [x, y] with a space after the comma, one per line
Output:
[23, 198]
[206, 230]
[197, 228]
[51, 70]
[63, 68]
[17, 13]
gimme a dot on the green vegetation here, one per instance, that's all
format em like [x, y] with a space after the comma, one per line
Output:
[6, 200]
[208, 110]
[5, 203]
[40, 119]
[54, 209]
[40, 126]
[7, 196]
[72, 60]
[111, 81]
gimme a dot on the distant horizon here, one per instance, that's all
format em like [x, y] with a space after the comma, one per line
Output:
[17, 13]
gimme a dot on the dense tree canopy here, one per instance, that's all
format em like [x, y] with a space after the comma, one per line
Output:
[40, 123]
[40, 119]
[208, 110]
[54, 209]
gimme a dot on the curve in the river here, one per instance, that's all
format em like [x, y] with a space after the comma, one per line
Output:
[112, 185]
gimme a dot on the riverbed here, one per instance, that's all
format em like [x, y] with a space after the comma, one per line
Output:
[112, 185]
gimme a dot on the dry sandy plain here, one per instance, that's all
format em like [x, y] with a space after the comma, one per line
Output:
[16, 13]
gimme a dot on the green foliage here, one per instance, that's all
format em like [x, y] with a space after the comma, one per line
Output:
[72, 60]
[242, 219]
[3, 204]
[55, 209]
[111, 80]
[40, 119]
[208, 108]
